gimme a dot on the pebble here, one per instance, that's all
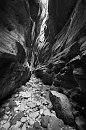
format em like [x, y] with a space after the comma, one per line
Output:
[34, 114]
[23, 119]
[36, 125]
[6, 125]
[16, 118]
[16, 109]
[3, 122]
[22, 88]
[53, 113]
[12, 104]
[7, 112]
[16, 95]
[45, 120]
[38, 103]
[47, 112]
[5, 117]
[38, 118]
[45, 102]
[7, 108]
[45, 108]
[41, 111]
[31, 104]
[17, 125]
[17, 102]
[25, 94]
[31, 121]
[22, 108]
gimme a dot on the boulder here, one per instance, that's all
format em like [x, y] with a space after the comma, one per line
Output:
[62, 107]
[55, 123]
[45, 120]
[36, 126]
[51, 123]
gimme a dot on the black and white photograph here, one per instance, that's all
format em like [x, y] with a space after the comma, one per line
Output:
[42, 64]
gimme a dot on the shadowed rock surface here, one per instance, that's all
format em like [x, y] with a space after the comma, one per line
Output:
[62, 107]
[16, 25]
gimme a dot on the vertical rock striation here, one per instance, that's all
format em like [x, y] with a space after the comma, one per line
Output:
[16, 24]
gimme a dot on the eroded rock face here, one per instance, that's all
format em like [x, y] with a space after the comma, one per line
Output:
[59, 12]
[64, 54]
[16, 23]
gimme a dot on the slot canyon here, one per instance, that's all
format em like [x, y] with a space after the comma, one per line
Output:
[42, 64]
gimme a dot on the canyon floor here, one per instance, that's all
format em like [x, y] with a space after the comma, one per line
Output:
[30, 109]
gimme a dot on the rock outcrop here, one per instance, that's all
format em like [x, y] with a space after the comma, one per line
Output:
[64, 52]
[62, 107]
[16, 24]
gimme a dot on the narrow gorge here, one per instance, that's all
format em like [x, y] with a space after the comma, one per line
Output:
[42, 64]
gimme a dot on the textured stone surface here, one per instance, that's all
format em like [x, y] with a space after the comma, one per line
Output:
[58, 59]
[14, 19]
[53, 124]
[62, 107]
[35, 116]
[44, 121]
